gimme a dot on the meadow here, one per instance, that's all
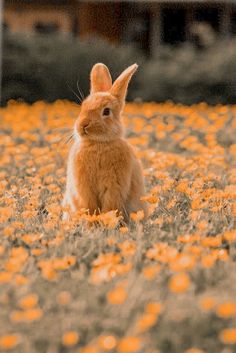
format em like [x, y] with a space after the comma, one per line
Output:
[89, 285]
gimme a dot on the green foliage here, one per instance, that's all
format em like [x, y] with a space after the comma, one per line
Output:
[188, 75]
[48, 68]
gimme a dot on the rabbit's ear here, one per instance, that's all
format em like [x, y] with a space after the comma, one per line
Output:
[100, 78]
[119, 88]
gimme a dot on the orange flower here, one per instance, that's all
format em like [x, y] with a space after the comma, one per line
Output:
[196, 250]
[8, 231]
[230, 236]
[21, 280]
[104, 259]
[188, 238]
[179, 283]
[9, 341]
[64, 298]
[162, 252]
[138, 216]
[182, 262]
[49, 267]
[228, 336]
[2, 249]
[151, 271]
[29, 301]
[5, 213]
[30, 238]
[63, 263]
[49, 273]
[17, 260]
[150, 199]
[129, 344]
[171, 204]
[91, 348]
[197, 203]
[211, 241]
[124, 230]
[146, 321]
[111, 241]
[5, 277]
[193, 350]
[221, 254]
[70, 338]
[27, 315]
[127, 248]
[37, 252]
[202, 225]
[154, 308]
[182, 186]
[107, 343]
[226, 309]
[208, 260]
[110, 219]
[119, 269]
[117, 295]
[207, 303]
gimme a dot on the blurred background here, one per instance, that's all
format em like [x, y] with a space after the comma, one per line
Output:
[186, 49]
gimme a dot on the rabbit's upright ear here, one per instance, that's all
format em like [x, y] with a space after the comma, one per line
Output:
[100, 79]
[119, 88]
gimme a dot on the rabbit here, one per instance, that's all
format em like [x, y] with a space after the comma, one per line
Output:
[103, 173]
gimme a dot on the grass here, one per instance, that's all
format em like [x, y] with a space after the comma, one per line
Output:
[165, 285]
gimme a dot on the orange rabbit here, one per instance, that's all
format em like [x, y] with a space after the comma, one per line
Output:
[103, 173]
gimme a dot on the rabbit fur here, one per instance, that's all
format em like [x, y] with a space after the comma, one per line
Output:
[103, 173]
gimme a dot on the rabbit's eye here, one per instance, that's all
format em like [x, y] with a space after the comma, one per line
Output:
[106, 112]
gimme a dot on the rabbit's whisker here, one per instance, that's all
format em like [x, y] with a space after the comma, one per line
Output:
[80, 100]
[67, 138]
[80, 90]
[70, 138]
[61, 129]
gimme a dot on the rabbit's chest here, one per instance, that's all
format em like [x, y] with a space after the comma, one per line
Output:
[96, 168]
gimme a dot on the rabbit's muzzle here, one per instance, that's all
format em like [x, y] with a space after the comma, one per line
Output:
[83, 128]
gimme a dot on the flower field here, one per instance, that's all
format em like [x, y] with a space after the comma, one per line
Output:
[166, 285]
